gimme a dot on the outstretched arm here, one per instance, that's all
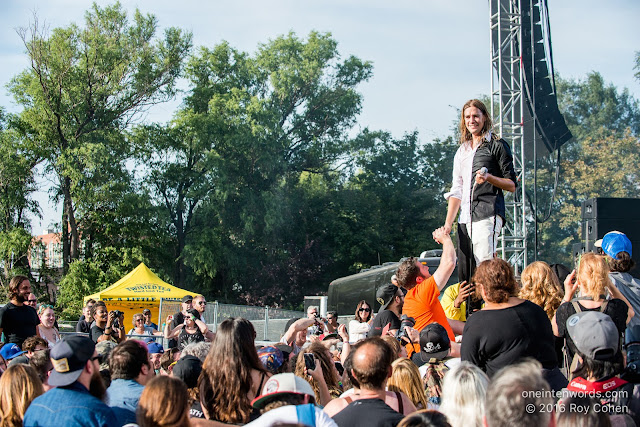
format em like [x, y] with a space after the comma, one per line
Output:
[447, 260]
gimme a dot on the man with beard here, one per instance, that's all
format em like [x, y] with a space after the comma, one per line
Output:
[76, 398]
[130, 372]
[17, 320]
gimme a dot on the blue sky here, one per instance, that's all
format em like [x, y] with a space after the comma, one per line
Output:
[429, 56]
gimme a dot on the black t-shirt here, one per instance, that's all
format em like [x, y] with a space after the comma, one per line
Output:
[367, 413]
[186, 338]
[96, 332]
[18, 322]
[83, 326]
[493, 339]
[384, 318]
[616, 309]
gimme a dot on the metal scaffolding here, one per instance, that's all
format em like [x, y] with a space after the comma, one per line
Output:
[507, 108]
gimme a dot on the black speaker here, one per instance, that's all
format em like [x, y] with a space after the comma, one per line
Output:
[603, 214]
[544, 125]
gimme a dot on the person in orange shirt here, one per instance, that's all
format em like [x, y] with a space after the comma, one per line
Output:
[423, 289]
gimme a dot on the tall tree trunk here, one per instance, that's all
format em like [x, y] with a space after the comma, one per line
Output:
[180, 235]
[70, 235]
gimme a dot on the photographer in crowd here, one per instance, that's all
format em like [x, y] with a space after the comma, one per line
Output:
[108, 325]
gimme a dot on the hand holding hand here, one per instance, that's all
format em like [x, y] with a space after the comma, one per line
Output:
[440, 235]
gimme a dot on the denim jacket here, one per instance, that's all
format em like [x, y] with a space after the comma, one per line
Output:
[69, 406]
[123, 397]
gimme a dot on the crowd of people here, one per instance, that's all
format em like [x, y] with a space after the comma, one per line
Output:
[533, 354]
[554, 347]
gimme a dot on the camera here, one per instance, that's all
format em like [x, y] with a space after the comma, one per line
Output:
[631, 372]
[118, 313]
[404, 321]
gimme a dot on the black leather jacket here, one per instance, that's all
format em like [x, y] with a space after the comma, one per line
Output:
[487, 199]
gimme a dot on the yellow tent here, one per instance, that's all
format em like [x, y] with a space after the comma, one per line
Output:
[138, 290]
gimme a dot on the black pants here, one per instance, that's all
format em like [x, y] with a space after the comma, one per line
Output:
[466, 260]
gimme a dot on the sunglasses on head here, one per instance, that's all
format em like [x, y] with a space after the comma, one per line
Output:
[368, 310]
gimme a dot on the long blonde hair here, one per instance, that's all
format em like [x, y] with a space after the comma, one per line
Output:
[19, 385]
[465, 135]
[541, 286]
[406, 378]
[593, 275]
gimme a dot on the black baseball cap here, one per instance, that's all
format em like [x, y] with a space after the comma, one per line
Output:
[187, 298]
[434, 342]
[69, 358]
[385, 295]
[188, 369]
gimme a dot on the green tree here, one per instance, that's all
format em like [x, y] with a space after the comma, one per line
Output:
[597, 162]
[233, 158]
[90, 81]
[16, 186]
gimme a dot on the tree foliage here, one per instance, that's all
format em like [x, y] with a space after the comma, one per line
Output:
[86, 83]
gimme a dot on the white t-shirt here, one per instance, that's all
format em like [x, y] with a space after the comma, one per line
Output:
[288, 414]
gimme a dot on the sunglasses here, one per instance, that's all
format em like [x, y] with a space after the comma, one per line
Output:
[95, 358]
[202, 303]
[32, 300]
[368, 310]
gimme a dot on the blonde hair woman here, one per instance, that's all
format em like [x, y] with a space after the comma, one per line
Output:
[406, 378]
[541, 286]
[19, 385]
[593, 281]
[463, 395]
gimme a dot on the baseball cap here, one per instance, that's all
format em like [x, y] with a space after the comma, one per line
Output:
[155, 348]
[10, 351]
[613, 243]
[385, 295]
[271, 357]
[280, 384]
[69, 357]
[187, 298]
[188, 369]
[146, 311]
[434, 342]
[594, 334]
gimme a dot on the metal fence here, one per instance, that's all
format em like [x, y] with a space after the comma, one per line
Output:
[268, 322]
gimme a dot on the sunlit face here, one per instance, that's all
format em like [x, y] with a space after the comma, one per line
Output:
[474, 120]
[154, 360]
[101, 313]
[24, 289]
[31, 301]
[138, 321]
[200, 304]
[48, 317]
[312, 313]
[364, 312]
[190, 320]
